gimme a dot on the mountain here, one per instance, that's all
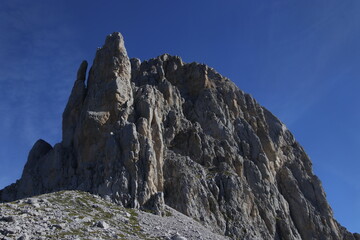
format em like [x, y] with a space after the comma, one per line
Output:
[164, 133]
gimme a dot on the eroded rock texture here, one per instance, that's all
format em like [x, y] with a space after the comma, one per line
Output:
[144, 133]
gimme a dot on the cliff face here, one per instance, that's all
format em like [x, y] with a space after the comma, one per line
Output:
[157, 132]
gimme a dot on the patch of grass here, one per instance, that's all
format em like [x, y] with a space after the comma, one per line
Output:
[88, 223]
[54, 221]
[168, 213]
[7, 206]
[148, 211]
[227, 173]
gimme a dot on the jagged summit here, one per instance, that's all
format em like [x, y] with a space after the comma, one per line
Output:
[164, 132]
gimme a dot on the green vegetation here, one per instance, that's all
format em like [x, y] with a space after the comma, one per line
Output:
[85, 210]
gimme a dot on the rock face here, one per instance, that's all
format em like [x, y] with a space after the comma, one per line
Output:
[162, 131]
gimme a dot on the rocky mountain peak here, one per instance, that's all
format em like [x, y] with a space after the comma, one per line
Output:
[167, 133]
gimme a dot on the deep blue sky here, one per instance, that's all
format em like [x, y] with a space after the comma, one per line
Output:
[300, 59]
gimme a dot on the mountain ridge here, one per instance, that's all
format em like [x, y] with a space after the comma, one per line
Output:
[162, 131]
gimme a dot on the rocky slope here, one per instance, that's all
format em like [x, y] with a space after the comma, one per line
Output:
[146, 134]
[80, 215]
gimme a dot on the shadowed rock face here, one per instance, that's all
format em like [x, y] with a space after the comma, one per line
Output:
[144, 133]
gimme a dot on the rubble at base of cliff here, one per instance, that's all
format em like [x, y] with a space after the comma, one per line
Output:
[80, 215]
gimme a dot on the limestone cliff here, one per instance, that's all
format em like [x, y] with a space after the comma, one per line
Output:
[163, 131]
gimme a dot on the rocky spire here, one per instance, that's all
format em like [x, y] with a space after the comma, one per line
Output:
[73, 108]
[109, 85]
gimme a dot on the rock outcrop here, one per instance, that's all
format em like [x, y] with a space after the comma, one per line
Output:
[162, 131]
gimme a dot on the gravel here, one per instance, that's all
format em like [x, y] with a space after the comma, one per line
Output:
[79, 215]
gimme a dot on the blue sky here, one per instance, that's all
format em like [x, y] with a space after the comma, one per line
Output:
[300, 59]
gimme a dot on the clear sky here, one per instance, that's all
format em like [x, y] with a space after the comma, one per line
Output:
[300, 59]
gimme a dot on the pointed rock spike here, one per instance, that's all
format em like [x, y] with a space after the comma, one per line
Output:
[81, 74]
